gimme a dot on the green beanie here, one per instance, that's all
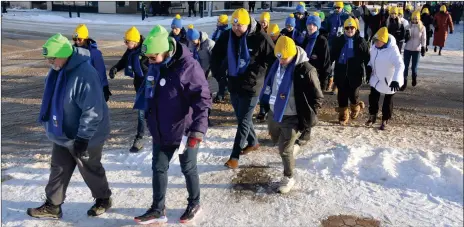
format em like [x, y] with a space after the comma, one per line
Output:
[157, 41]
[57, 46]
[322, 15]
[347, 8]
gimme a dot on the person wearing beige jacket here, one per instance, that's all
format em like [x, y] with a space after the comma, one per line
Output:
[415, 45]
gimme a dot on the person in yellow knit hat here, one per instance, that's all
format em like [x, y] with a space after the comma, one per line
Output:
[293, 92]
[222, 26]
[264, 20]
[274, 32]
[442, 22]
[135, 65]
[396, 27]
[351, 55]
[248, 52]
[427, 20]
[81, 39]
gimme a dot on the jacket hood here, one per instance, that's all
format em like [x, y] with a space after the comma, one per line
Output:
[79, 56]
[254, 26]
[301, 55]
[204, 36]
[92, 43]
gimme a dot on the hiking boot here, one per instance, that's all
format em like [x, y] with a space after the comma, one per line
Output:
[190, 213]
[371, 120]
[261, 118]
[414, 80]
[405, 85]
[47, 210]
[232, 163]
[356, 108]
[249, 149]
[435, 49]
[384, 125]
[286, 184]
[152, 216]
[100, 207]
[343, 115]
[137, 145]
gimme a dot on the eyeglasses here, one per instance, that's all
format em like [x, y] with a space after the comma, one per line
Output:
[350, 28]
[78, 39]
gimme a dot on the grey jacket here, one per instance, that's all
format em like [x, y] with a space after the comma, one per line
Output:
[417, 39]
[85, 111]
[204, 51]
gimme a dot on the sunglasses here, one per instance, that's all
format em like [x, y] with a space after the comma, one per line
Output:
[337, 7]
[350, 28]
[78, 39]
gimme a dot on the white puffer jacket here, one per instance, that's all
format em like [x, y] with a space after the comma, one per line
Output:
[387, 66]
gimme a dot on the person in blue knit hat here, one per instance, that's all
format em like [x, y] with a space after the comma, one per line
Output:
[300, 24]
[289, 26]
[178, 31]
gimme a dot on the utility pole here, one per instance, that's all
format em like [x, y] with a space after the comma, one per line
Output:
[210, 9]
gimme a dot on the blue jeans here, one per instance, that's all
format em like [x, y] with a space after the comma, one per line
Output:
[415, 61]
[140, 123]
[160, 165]
[243, 107]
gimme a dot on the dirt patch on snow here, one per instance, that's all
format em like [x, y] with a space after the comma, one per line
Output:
[253, 181]
[349, 221]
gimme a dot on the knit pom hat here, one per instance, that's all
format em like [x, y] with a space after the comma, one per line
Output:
[443, 8]
[157, 41]
[416, 15]
[285, 48]
[350, 22]
[382, 35]
[322, 15]
[192, 34]
[347, 8]
[290, 20]
[57, 46]
[273, 30]
[265, 16]
[81, 32]
[314, 20]
[300, 9]
[132, 35]
[425, 10]
[241, 16]
[176, 22]
[338, 4]
[223, 19]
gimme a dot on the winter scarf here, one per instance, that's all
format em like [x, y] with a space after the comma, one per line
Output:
[218, 32]
[52, 100]
[235, 68]
[347, 51]
[284, 89]
[310, 45]
[133, 64]
[195, 54]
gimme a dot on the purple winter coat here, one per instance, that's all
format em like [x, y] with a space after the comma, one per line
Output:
[180, 106]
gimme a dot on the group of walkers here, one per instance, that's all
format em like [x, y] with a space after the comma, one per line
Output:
[284, 70]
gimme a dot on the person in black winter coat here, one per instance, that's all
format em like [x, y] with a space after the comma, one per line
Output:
[351, 55]
[135, 65]
[377, 20]
[191, 8]
[396, 28]
[427, 20]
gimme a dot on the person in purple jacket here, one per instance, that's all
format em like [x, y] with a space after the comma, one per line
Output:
[176, 100]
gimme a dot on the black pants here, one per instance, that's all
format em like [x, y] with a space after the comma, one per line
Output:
[387, 107]
[347, 93]
[192, 9]
[252, 9]
[400, 46]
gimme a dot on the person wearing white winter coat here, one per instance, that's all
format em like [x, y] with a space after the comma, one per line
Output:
[386, 76]
[415, 45]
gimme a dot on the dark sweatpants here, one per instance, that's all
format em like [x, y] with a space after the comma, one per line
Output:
[387, 107]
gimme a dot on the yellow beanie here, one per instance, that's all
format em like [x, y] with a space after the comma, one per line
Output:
[81, 32]
[443, 8]
[400, 11]
[409, 7]
[285, 48]
[316, 14]
[132, 35]
[389, 8]
[350, 22]
[265, 16]
[394, 9]
[382, 34]
[338, 4]
[425, 10]
[223, 19]
[240, 16]
[273, 30]
[302, 3]
[416, 15]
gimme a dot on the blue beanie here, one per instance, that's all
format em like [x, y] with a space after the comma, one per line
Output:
[176, 22]
[192, 34]
[314, 20]
[300, 9]
[290, 21]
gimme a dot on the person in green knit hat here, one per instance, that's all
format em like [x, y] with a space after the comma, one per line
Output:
[75, 117]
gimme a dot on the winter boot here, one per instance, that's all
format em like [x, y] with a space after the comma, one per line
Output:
[439, 51]
[249, 149]
[356, 108]
[100, 207]
[371, 121]
[343, 115]
[286, 184]
[190, 213]
[137, 145]
[232, 163]
[47, 210]
[330, 84]
[152, 216]
[414, 80]
[384, 125]
[435, 49]
[405, 85]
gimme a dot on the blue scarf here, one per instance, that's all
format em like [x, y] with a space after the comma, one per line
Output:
[218, 32]
[235, 68]
[298, 36]
[347, 51]
[133, 64]
[195, 54]
[52, 101]
[284, 89]
[312, 40]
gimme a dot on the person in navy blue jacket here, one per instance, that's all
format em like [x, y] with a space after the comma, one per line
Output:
[135, 65]
[81, 39]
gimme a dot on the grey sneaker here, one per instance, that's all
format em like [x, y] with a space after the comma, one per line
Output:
[47, 210]
[286, 184]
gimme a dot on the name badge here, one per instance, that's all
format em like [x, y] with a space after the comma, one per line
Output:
[272, 100]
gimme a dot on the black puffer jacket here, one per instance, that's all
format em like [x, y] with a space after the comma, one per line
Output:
[396, 28]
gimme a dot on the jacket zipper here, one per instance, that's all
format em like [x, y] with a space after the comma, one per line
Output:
[378, 79]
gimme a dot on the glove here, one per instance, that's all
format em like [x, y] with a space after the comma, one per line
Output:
[113, 72]
[107, 93]
[395, 86]
[368, 73]
[423, 51]
[451, 32]
[194, 139]
[80, 147]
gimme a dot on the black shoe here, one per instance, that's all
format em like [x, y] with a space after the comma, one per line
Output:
[384, 125]
[47, 210]
[439, 52]
[100, 207]
[152, 216]
[414, 80]
[190, 213]
[137, 145]
[435, 49]
[371, 121]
